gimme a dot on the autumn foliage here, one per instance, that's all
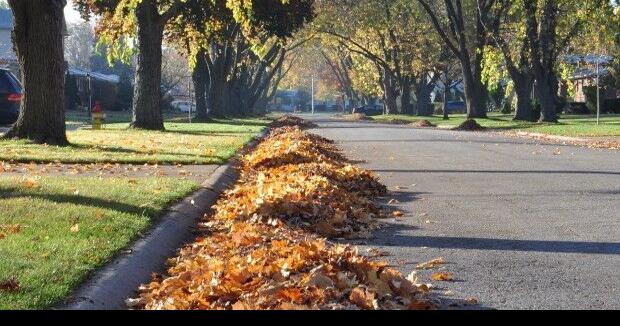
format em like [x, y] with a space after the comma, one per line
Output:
[264, 247]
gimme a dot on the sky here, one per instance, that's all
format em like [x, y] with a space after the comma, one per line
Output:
[71, 15]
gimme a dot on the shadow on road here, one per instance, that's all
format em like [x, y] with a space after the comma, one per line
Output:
[604, 248]
[494, 141]
[497, 171]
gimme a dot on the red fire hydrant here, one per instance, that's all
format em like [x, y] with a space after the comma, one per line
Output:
[97, 116]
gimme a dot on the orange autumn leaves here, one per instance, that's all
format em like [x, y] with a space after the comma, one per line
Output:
[264, 246]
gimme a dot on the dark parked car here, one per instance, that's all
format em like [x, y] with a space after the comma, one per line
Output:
[370, 109]
[10, 97]
[456, 107]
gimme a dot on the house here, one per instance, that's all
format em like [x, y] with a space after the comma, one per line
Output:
[104, 88]
[585, 75]
[7, 56]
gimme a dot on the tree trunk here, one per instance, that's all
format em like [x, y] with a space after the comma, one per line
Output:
[405, 98]
[446, 96]
[199, 77]
[547, 102]
[481, 93]
[423, 99]
[523, 89]
[146, 99]
[389, 94]
[38, 40]
[475, 94]
[542, 41]
[215, 95]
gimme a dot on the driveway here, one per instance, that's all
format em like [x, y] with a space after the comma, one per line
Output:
[520, 224]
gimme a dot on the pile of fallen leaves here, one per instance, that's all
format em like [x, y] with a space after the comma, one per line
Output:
[398, 121]
[358, 117]
[264, 245]
[469, 125]
[423, 123]
[292, 121]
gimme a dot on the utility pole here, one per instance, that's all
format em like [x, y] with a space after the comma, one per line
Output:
[312, 101]
[598, 92]
[90, 95]
[189, 95]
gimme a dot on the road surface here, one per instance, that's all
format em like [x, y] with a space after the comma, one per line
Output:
[521, 225]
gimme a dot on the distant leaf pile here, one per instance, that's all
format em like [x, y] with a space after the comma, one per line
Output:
[263, 247]
[292, 121]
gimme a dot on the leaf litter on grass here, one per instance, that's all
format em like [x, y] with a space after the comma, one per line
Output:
[265, 245]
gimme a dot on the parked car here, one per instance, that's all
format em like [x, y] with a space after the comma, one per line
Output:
[184, 106]
[370, 109]
[10, 97]
[456, 107]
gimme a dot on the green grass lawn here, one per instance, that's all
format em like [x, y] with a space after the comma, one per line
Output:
[184, 143]
[55, 230]
[569, 125]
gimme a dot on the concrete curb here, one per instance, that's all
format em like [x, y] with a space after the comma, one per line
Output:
[119, 279]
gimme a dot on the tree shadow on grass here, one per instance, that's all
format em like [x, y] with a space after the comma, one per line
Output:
[14, 192]
[118, 149]
[222, 121]
[211, 133]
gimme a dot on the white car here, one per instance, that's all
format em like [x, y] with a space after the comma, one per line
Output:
[184, 106]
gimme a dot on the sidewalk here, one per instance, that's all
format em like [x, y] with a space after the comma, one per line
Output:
[197, 173]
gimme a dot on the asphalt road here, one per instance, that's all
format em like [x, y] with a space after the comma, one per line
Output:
[520, 224]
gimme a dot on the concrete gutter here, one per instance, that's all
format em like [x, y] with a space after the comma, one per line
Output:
[119, 279]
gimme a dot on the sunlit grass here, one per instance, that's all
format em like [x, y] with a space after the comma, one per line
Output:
[69, 226]
[569, 125]
[183, 143]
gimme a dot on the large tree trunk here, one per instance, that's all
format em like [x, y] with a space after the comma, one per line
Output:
[38, 40]
[405, 97]
[199, 77]
[390, 93]
[146, 99]
[475, 92]
[523, 89]
[547, 100]
[542, 39]
[423, 99]
[216, 90]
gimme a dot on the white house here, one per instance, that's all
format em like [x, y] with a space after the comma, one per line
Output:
[7, 56]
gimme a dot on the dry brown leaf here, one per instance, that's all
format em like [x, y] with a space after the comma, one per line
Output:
[471, 301]
[376, 252]
[31, 183]
[10, 285]
[431, 263]
[442, 276]
[364, 298]
[263, 245]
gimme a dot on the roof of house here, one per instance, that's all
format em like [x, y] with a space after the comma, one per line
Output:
[96, 75]
[588, 58]
[6, 19]
[587, 73]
